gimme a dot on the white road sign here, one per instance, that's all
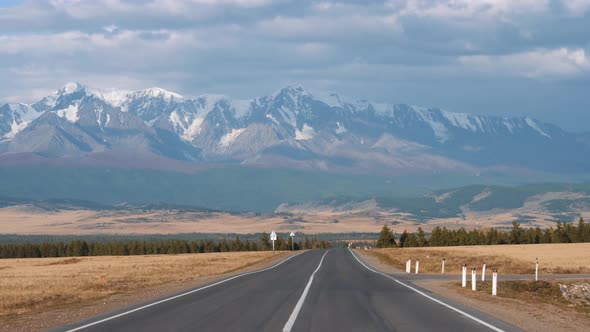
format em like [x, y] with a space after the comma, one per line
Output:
[292, 234]
[273, 236]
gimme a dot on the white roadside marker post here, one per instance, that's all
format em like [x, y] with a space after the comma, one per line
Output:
[473, 279]
[494, 282]
[443, 266]
[409, 265]
[483, 272]
[273, 238]
[417, 265]
[537, 269]
[464, 276]
[292, 236]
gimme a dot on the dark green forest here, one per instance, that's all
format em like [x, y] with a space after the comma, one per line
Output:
[562, 233]
[159, 247]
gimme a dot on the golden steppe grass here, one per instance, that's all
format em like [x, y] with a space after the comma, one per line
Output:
[37, 283]
[508, 259]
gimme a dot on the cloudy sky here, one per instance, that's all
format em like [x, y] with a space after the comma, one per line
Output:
[504, 57]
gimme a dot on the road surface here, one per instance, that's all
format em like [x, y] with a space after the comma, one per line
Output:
[317, 290]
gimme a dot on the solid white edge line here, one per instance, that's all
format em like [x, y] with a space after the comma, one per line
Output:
[181, 295]
[289, 325]
[492, 327]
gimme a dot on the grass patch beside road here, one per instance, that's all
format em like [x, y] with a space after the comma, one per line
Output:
[507, 259]
[34, 284]
[530, 291]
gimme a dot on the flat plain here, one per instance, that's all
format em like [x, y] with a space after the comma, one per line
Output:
[26, 219]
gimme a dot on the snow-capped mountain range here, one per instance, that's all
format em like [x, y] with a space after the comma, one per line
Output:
[290, 128]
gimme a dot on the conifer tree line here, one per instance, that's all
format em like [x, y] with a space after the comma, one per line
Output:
[124, 248]
[562, 233]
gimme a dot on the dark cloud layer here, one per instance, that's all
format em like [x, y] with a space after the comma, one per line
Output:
[528, 57]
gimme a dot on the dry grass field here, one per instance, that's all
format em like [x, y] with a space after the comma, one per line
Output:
[35, 284]
[508, 259]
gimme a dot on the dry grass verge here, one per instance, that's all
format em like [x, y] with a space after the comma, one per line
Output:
[508, 259]
[530, 291]
[38, 283]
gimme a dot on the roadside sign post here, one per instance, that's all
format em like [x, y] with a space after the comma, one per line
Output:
[537, 269]
[292, 236]
[273, 238]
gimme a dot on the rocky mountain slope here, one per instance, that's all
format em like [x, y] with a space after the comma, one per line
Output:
[290, 128]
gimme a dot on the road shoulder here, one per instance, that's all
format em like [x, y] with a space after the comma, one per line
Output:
[528, 315]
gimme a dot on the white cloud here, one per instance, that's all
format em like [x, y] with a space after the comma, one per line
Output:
[452, 9]
[110, 28]
[319, 27]
[552, 63]
[387, 50]
[576, 7]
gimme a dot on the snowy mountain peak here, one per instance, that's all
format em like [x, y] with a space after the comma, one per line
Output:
[14, 118]
[114, 97]
[331, 99]
[18, 107]
[292, 91]
[156, 92]
[70, 88]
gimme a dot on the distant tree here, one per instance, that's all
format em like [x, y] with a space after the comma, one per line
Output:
[411, 241]
[265, 243]
[435, 239]
[403, 238]
[236, 244]
[516, 233]
[586, 233]
[559, 235]
[492, 236]
[446, 237]
[281, 244]
[422, 242]
[570, 233]
[580, 230]
[194, 247]
[223, 246]
[461, 237]
[538, 235]
[547, 235]
[473, 237]
[386, 238]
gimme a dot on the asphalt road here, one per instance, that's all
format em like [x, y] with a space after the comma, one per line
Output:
[304, 293]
